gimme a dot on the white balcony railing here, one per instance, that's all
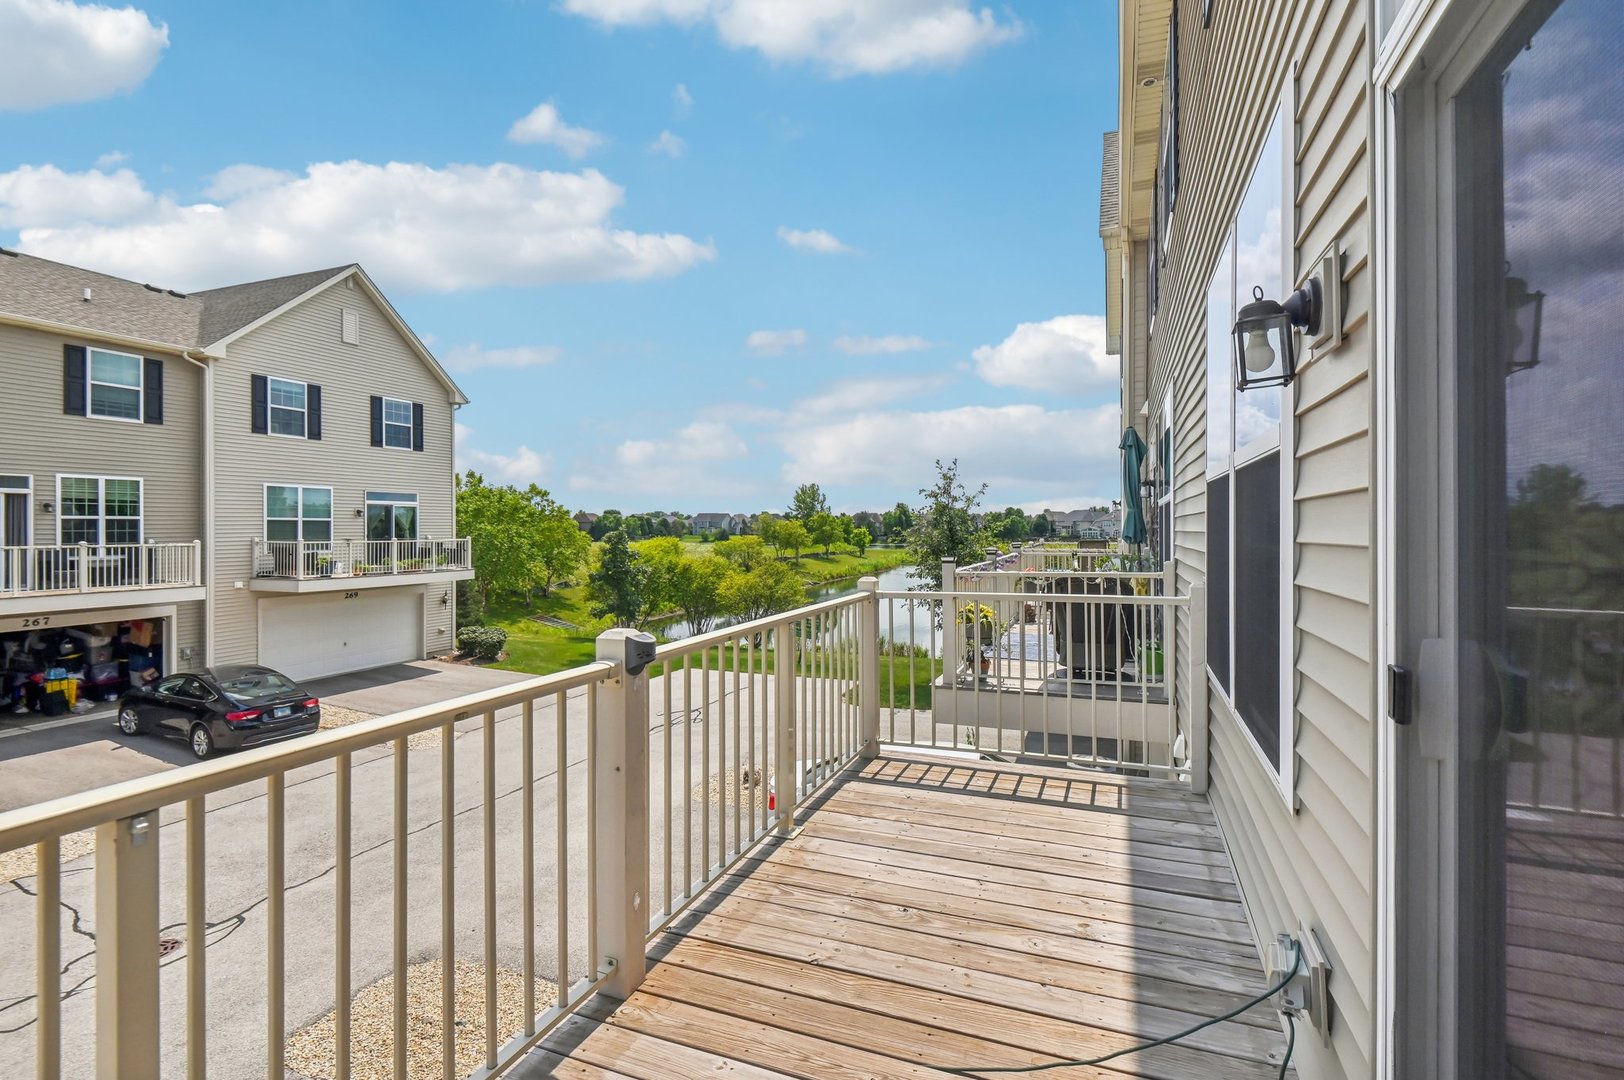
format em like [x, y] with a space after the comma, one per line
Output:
[305, 559]
[83, 568]
[553, 826]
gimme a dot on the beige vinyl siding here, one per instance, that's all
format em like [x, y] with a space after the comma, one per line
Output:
[43, 442]
[304, 343]
[1314, 865]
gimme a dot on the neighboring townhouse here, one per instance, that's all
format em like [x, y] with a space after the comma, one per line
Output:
[259, 473]
[585, 520]
[1409, 523]
[711, 522]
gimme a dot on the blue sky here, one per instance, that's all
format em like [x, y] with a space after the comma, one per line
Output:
[681, 254]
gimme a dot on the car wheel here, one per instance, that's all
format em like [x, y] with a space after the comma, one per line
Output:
[202, 741]
[129, 721]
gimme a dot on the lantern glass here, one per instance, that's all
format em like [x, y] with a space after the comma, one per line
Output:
[1524, 312]
[1265, 352]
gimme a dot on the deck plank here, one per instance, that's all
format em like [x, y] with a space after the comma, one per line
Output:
[931, 915]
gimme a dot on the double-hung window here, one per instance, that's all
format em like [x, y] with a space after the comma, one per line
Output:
[115, 384]
[98, 510]
[293, 512]
[288, 407]
[397, 423]
[391, 515]
[1249, 476]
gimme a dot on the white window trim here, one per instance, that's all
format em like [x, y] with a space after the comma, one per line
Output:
[270, 426]
[101, 508]
[1283, 439]
[91, 382]
[415, 502]
[266, 519]
[411, 428]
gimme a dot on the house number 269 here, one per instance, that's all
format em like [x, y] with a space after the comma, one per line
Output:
[351, 595]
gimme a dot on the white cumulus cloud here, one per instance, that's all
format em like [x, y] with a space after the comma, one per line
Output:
[57, 52]
[683, 100]
[1063, 355]
[814, 240]
[543, 125]
[413, 226]
[473, 356]
[669, 145]
[872, 346]
[521, 468]
[111, 158]
[694, 462]
[844, 37]
[774, 342]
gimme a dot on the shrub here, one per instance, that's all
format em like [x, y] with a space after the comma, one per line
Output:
[482, 642]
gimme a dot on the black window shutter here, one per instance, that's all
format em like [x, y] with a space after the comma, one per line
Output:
[73, 380]
[313, 408]
[417, 426]
[152, 401]
[262, 393]
[377, 420]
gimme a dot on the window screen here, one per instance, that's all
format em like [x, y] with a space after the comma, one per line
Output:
[1257, 612]
[1218, 579]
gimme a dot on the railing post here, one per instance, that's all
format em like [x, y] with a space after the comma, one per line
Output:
[394, 556]
[84, 566]
[620, 794]
[196, 575]
[868, 668]
[1197, 697]
[127, 947]
[786, 782]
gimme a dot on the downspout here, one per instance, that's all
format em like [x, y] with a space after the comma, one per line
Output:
[207, 568]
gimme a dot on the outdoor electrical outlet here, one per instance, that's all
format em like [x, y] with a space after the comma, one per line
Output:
[1307, 995]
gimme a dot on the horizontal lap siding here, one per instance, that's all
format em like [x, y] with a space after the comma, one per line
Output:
[43, 442]
[1316, 865]
[303, 343]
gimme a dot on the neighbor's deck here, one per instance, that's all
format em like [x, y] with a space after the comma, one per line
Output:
[950, 914]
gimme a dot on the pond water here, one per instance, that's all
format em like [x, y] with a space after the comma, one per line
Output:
[895, 580]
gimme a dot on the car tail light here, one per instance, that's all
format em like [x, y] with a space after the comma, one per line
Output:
[243, 716]
[313, 703]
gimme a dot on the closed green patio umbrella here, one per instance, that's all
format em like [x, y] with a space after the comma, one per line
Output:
[1133, 458]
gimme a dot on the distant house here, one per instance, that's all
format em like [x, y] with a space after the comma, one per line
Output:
[1091, 523]
[586, 520]
[711, 522]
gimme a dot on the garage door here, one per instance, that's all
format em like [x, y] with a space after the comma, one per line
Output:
[330, 633]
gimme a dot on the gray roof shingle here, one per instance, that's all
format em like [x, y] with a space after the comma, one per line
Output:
[34, 288]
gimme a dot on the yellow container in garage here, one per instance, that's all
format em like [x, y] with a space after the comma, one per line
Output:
[69, 687]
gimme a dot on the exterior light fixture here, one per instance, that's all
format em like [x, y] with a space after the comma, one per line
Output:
[1266, 338]
[1524, 312]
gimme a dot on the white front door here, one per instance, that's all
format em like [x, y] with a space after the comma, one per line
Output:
[306, 637]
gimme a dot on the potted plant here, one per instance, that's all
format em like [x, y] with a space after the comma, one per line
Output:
[980, 624]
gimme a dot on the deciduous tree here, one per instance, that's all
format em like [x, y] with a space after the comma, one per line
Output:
[944, 527]
[808, 500]
[619, 585]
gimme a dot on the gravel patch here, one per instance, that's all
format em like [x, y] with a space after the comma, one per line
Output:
[372, 1036]
[746, 786]
[22, 863]
[336, 716]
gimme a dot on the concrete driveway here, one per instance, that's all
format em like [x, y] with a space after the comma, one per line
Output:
[399, 687]
[46, 760]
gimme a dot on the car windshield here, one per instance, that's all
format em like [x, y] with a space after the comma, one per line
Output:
[257, 686]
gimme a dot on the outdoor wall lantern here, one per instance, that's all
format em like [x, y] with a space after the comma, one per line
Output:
[1524, 312]
[1266, 335]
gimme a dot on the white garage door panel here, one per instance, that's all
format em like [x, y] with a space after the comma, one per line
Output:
[327, 633]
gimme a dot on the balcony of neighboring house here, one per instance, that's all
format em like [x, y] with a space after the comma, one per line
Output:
[38, 579]
[817, 844]
[302, 566]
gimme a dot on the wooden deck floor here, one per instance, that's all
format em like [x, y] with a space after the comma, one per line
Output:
[950, 914]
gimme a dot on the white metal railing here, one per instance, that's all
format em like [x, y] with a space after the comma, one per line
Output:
[1069, 558]
[576, 786]
[1072, 665]
[1559, 690]
[71, 568]
[304, 559]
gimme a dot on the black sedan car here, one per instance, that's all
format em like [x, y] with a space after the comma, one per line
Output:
[222, 708]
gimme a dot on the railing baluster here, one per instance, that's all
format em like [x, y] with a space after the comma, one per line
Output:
[687, 776]
[738, 779]
[665, 687]
[48, 959]
[341, 919]
[399, 925]
[562, 841]
[757, 776]
[488, 790]
[594, 952]
[196, 944]
[527, 961]
[275, 925]
[448, 900]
